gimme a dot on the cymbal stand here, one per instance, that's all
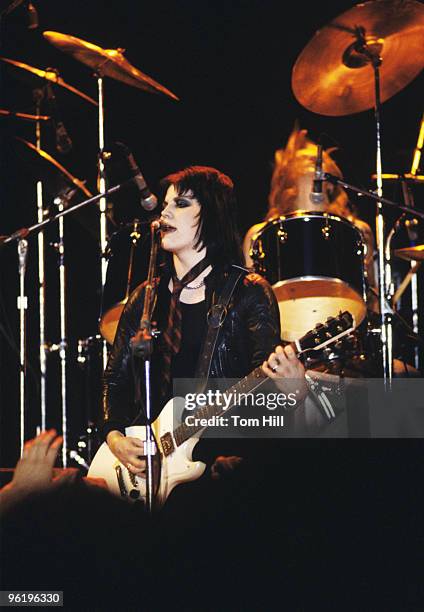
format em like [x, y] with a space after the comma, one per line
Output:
[412, 235]
[414, 281]
[38, 97]
[410, 224]
[371, 55]
[61, 201]
[22, 307]
[102, 190]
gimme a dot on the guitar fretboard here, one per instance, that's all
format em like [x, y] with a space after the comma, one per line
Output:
[246, 385]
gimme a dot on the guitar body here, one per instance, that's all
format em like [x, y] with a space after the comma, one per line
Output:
[172, 462]
[170, 468]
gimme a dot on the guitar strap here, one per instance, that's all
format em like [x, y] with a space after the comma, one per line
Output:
[216, 317]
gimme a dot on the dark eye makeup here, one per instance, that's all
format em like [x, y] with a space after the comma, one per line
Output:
[183, 202]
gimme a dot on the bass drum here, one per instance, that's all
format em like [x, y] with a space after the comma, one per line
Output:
[315, 264]
[128, 261]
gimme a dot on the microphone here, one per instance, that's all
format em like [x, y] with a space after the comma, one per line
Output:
[316, 196]
[147, 199]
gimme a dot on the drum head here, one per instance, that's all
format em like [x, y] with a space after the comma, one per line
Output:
[109, 322]
[304, 303]
[314, 262]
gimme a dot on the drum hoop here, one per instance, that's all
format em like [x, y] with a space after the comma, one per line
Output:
[302, 214]
[296, 279]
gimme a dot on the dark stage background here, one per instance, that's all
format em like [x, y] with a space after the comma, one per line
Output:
[230, 63]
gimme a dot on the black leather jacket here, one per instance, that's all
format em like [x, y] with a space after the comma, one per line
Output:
[250, 332]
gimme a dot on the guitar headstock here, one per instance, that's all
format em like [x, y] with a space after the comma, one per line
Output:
[326, 333]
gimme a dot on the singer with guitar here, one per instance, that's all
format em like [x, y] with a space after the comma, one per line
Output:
[204, 272]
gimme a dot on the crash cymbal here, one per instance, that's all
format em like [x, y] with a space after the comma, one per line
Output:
[106, 62]
[330, 76]
[49, 158]
[49, 75]
[8, 113]
[415, 253]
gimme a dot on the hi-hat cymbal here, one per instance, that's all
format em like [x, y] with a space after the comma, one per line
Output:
[49, 75]
[14, 115]
[415, 253]
[49, 158]
[330, 77]
[106, 62]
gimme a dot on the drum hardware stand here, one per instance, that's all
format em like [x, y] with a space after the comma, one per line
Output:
[60, 202]
[22, 307]
[409, 200]
[369, 53]
[20, 236]
[38, 95]
[412, 235]
[411, 276]
[142, 346]
[86, 441]
[366, 50]
[325, 176]
[101, 179]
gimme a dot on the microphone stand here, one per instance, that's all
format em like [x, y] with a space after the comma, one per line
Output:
[24, 232]
[142, 346]
[331, 178]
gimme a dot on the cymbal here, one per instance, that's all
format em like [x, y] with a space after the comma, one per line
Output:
[49, 75]
[49, 158]
[8, 113]
[330, 77]
[106, 62]
[415, 253]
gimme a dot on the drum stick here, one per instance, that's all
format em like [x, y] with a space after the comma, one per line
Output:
[405, 282]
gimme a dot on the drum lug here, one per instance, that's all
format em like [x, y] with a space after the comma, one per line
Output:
[326, 231]
[282, 235]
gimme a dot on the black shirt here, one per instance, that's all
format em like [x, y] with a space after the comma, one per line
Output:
[193, 328]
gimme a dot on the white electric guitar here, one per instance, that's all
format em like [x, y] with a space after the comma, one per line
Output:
[175, 440]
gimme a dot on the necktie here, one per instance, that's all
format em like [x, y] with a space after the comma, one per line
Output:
[172, 333]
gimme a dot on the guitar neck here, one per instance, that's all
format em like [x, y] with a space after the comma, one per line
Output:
[243, 387]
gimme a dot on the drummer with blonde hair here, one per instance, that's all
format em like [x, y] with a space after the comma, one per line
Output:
[291, 186]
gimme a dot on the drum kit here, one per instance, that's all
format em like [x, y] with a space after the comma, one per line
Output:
[314, 261]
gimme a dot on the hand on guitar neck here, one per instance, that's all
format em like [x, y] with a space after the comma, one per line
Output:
[287, 371]
[128, 450]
